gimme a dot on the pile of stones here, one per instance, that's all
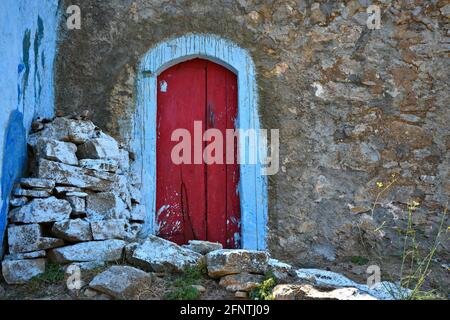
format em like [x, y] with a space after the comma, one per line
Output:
[79, 205]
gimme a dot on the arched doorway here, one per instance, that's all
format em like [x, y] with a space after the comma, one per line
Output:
[252, 186]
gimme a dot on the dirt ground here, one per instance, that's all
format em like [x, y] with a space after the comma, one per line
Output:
[55, 288]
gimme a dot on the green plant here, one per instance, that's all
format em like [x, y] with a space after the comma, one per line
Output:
[415, 267]
[359, 260]
[183, 293]
[54, 273]
[264, 290]
[184, 289]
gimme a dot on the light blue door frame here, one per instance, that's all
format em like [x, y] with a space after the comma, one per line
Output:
[252, 185]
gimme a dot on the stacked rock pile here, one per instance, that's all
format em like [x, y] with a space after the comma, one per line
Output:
[78, 205]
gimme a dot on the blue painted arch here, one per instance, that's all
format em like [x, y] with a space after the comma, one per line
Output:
[253, 184]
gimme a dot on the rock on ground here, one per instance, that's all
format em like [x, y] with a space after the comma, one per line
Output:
[42, 210]
[382, 291]
[229, 261]
[122, 282]
[241, 282]
[203, 247]
[160, 255]
[308, 292]
[21, 271]
[108, 250]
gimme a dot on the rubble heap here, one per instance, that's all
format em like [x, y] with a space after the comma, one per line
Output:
[78, 205]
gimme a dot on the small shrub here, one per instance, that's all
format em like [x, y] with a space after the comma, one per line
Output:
[359, 260]
[54, 273]
[183, 285]
[183, 293]
[264, 290]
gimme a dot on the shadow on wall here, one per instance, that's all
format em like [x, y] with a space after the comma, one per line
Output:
[14, 159]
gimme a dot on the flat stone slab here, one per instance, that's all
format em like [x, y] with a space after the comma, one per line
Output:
[121, 282]
[233, 261]
[42, 210]
[72, 176]
[22, 271]
[37, 183]
[309, 292]
[160, 255]
[19, 192]
[108, 250]
[108, 165]
[203, 247]
[26, 255]
[109, 229]
[74, 230]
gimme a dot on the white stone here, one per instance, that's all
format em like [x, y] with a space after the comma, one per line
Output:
[203, 247]
[104, 205]
[121, 282]
[74, 230]
[160, 255]
[233, 261]
[18, 202]
[78, 195]
[109, 229]
[78, 204]
[72, 176]
[138, 213]
[26, 255]
[108, 250]
[99, 148]
[64, 129]
[46, 184]
[382, 291]
[22, 271]
[42, 210]
[308, 292]
[57, 151]
[108, 165]
[24, 238]
[19, 192]
[66, 189]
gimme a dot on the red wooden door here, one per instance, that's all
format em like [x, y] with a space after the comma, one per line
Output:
[197, 200]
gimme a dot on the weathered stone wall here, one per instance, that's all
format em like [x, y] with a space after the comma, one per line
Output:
[354, 107]
[27, 51]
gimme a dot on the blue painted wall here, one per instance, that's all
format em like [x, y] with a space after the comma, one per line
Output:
[28, 30]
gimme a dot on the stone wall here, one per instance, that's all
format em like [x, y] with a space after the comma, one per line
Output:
[354, 107]
[27, 51]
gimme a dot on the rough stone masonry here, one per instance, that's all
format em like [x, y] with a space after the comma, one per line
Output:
[354, 107]
[78, 205]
